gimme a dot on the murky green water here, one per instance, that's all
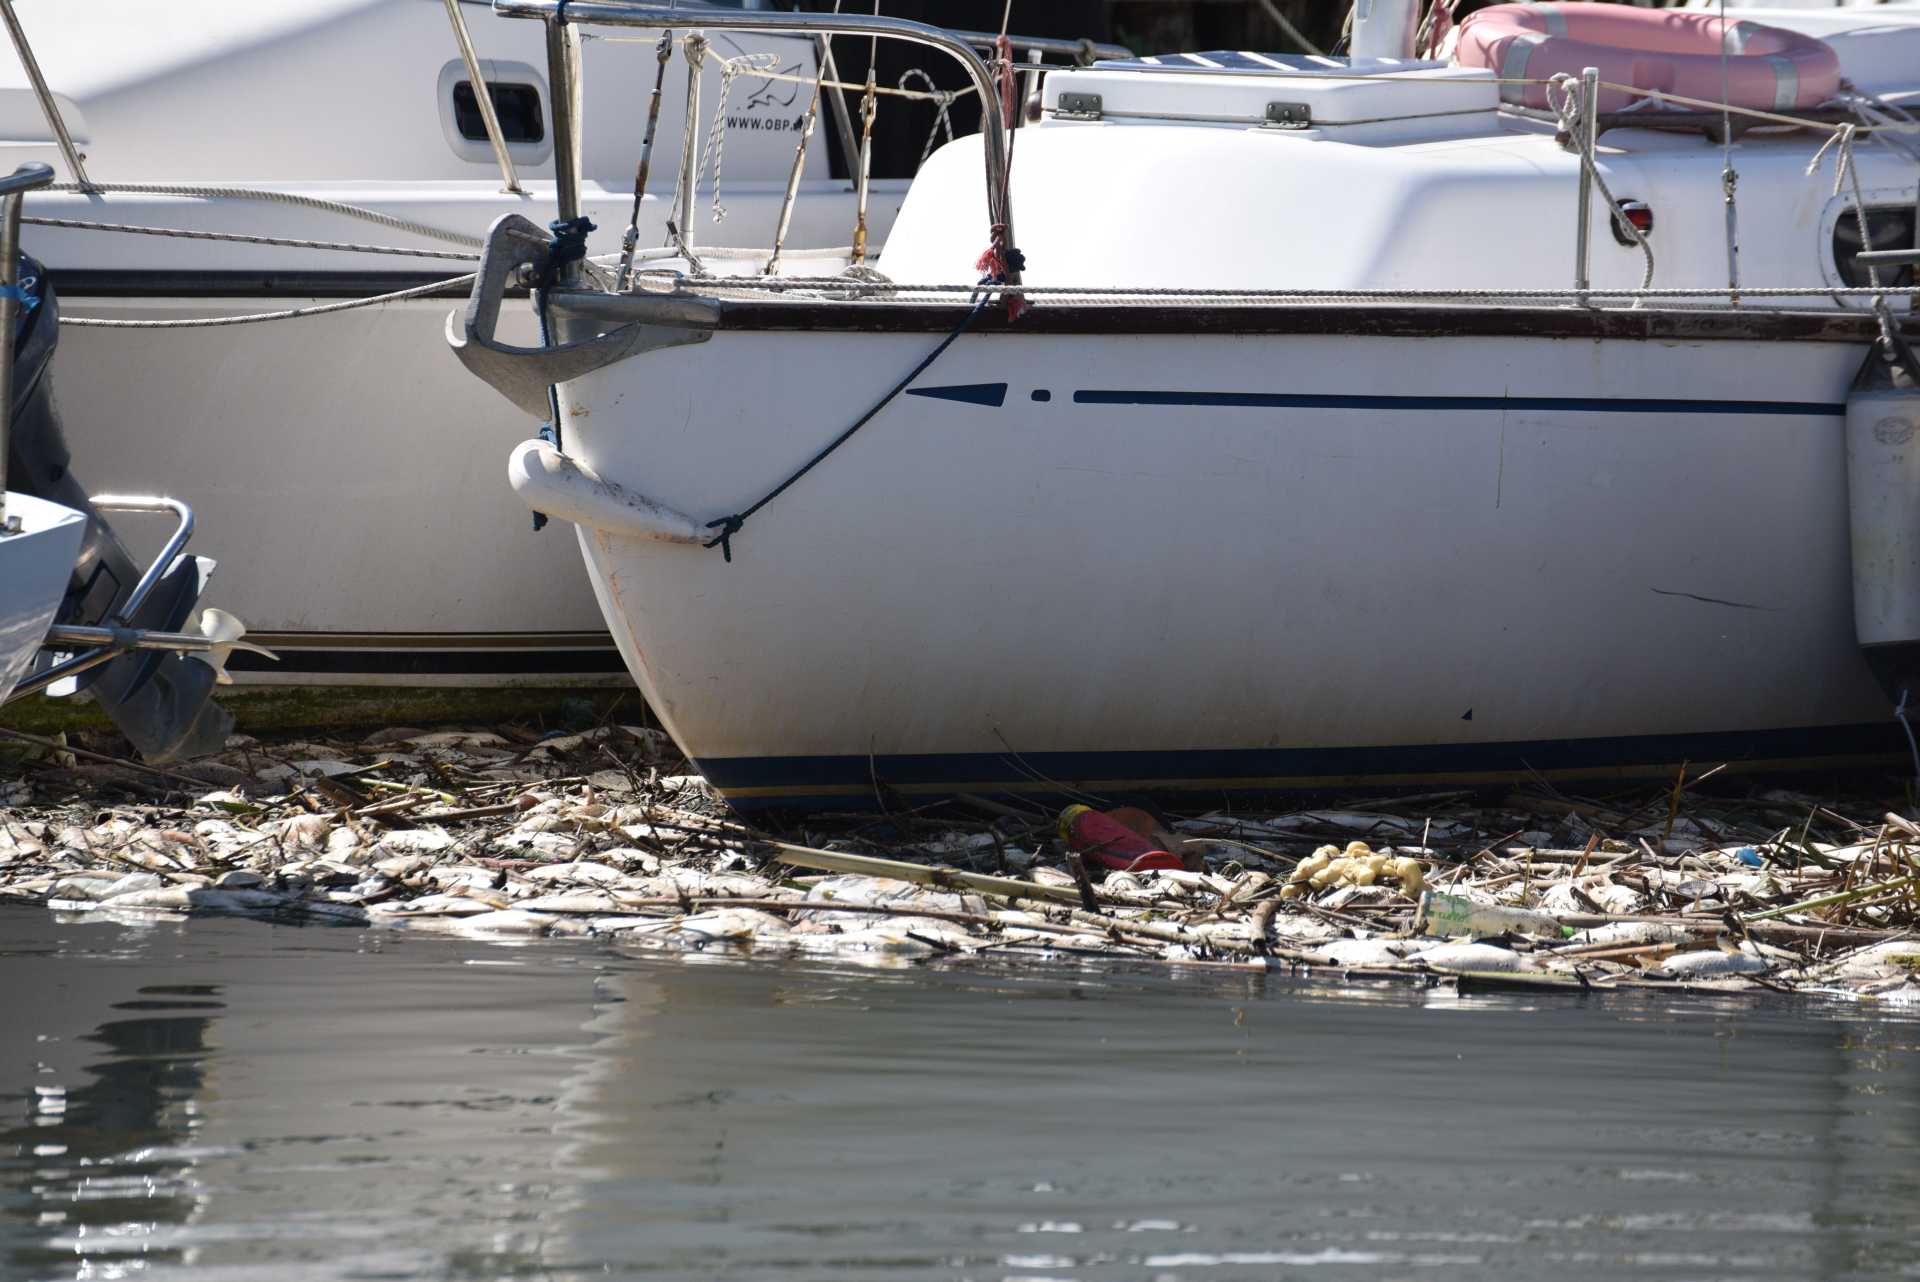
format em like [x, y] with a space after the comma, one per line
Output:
[234, 1100]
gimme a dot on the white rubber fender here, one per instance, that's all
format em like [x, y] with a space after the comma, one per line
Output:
[558, 486]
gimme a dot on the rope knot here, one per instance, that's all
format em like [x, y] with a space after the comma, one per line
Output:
[569, 245]
[995, 265]
[728, 527]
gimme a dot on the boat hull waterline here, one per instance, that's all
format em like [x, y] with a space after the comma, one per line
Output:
[1235, 561]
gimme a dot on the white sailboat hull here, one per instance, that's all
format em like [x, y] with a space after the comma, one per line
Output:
[1225, 561]
[34, 567]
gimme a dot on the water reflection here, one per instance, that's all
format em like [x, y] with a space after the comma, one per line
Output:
[770, 1122]
[100, 1160]
[233, 1101]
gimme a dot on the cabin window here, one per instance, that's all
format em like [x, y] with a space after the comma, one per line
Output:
[517, 106]
[1891, 227]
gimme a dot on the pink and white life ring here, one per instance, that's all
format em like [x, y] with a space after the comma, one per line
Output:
[1673, 51]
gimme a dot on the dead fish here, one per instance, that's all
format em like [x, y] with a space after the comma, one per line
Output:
[301, 830]
[413, 841]
[402, 867]
[337, 913]
[1892, 960]
[582, 902]
[619, 924]
[1633, 932]
[732, 925]
[1710, 962]
[551, 821]
[1477, 957]
[455, 876]
[891, 939]
[1364, 952]
[848, 889]
[434, 906]
[506, 921]
[90, 887]
[131, 883]
[630, 858]
[196, 899]
[547, 845]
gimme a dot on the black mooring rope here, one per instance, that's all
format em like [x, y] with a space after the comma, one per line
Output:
[731, 525]
[569, 245]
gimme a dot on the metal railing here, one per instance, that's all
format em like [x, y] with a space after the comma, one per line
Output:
[48, 107]
[116, 636]
[1081, 51]
[563, 64]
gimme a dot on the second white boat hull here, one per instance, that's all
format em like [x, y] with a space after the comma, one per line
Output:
[348, 460]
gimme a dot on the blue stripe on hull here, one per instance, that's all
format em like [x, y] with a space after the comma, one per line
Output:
[1576, 404]
[847, 781]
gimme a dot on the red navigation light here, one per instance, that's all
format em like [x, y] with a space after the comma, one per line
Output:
[1637, 212]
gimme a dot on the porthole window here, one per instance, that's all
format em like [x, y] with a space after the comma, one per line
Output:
[517, 106]
[1890, 227]
[519, 96]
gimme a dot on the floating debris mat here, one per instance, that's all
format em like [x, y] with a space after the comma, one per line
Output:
[516, 834]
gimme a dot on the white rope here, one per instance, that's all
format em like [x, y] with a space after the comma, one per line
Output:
[280, 198]
[1845, 163]
[251, 318]
[918, 95]
[1846, 173]
[286, 242]
[730, 68]
[942, 119]
[1752, 113]
[1884, 117]
[1563, 95]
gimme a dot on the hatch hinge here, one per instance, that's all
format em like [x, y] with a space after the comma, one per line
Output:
[1287, 115]
[1078, 106]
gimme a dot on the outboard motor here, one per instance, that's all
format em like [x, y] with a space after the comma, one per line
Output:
[1883, 494]
[159, 699]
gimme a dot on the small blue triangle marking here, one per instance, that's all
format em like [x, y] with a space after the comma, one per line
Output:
[994, 394]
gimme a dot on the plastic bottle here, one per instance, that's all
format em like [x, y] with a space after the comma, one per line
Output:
[1458, 915]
